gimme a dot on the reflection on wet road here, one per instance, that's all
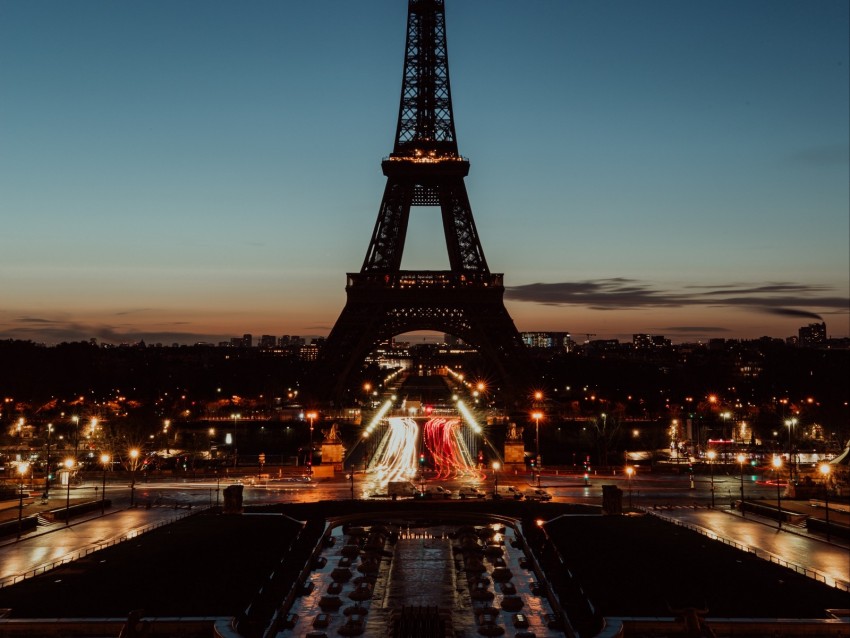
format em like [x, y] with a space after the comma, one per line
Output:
[831, 561]
[471, 579]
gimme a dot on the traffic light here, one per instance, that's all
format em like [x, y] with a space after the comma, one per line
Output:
[421, 459]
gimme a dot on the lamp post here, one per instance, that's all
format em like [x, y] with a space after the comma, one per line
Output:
[496, 467]
[76, 421]
[69, 464]
[235, 435]
[47, 472]
[311, 416]
[22, 472]
[790, 423]
[134, 457]
[104, 459]
[711, 456]
[824, 469]
[741, 459]
[165, 425]
[537, 415]
[725, 416]
[630, 472]
[777, 463]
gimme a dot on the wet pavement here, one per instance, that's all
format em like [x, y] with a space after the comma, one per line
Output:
[794, 546]
[476, 580]
[57, 543]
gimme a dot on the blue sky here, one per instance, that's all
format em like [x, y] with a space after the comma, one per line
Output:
[192, 170]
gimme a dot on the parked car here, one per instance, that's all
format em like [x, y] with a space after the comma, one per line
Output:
[400, 488]
[507, 491]
[537, 494]
[470, 491]
[435, 491]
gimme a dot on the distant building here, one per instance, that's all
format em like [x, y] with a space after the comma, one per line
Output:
[601, 345]
[247, 340]
[813, 335]
[309, 352]
[268, 341]
[558, 341]
[649, 342]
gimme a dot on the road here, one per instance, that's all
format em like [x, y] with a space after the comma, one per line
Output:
[672, 496]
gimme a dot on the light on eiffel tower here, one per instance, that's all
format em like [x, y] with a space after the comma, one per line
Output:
[425, 168]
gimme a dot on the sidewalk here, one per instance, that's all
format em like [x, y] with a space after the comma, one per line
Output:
[49, 546]
[794, 547]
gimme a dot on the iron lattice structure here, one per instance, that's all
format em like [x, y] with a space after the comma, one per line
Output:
[424, 169]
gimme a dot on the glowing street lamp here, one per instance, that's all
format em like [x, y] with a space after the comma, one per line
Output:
[104, 459]
[134, 458]
[824, 469]
[235, 416]
[537, 415]
[47, 472]
[741, 459]
[69, 464]
[311, 416]
[777, 464]
[630, 472]
[76, 421]
[165, 425]
[790, 423]
[711, 456]
[496, 467]
[22, 472]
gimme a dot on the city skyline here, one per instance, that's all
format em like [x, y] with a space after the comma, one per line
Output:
[191, 172]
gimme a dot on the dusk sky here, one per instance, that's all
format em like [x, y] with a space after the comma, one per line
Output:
[178, 171]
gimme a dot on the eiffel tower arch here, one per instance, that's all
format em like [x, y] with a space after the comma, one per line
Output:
[424, 169]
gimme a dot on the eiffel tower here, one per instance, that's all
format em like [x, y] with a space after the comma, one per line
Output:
[424, 169]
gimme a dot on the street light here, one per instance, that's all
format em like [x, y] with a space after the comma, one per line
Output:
[630, 472]
[236, 417]
[711, 454]
[69, 464]
[824, 469]
[496, 467]
[134, 456]
[104, 459]
[47, 473]
[777, 463]
[76, 421]
[741, 459]
[790, 423]
[537, 415]
[22, 472]
[165, 425]
[311, 416]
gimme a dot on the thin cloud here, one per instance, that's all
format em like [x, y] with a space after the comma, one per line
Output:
[793, 312]
[777, 298]
[56, 331]
[693, 329]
